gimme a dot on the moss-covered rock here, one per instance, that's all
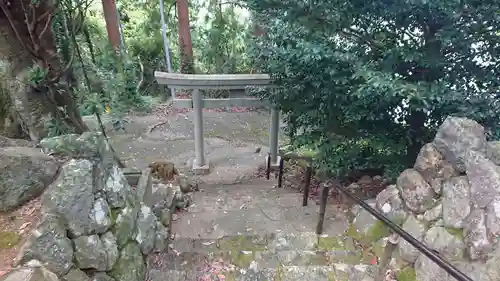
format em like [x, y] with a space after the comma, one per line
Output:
[130, 265]
[406, 274]
[9, 239]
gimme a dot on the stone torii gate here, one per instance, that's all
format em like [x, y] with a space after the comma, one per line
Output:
[197, 82]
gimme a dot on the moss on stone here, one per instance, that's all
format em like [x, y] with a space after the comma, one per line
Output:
[353, 233]
[378, 231]
[457, 232]
[240, 243]
[279, 273]
[113, 214]
[329, 244]
[378, 248]
[406, 274]
[9, 239]
[241, 259]
[332, 276]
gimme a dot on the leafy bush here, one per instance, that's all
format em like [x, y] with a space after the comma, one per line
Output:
[367, 83]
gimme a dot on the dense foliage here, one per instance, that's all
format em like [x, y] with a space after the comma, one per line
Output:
[367, 83]
[100, 78]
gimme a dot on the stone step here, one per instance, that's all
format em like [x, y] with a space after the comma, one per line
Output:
[254, 220]
[334, 272]
[264, 259]
[257, 192]
[279, 241]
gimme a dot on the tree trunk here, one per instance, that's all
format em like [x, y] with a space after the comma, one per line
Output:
[112, 24]
[22, 48]
[185, 45]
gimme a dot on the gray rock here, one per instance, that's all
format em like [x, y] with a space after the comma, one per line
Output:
[161, 198]
[456, 136]
[427, 270]
[439, 222]
[474, 270]
[431, 164]
[125, 225]
[117, 188]
[75, 274]
[417, 230]
[493, 218]
[484, 178]
[146, 229]
[25, 172]
[165, 217]
[101, 276]
[6, 142]
[389, 202]
[29, 274]
[130, 265]
[448, 245]
[493, 266]
[111, 249]
[493, 151]
[90, 253]
[437, 185]
[161, 238]
[434, 214]
[49, 245]
[71, 196]
[477, 235]
[100, 216]
[144, 185]
[364, 221]
[417, 194]
[187, 184]
[456, 202]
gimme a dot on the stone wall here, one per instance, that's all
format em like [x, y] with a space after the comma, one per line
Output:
[95, 225]
[450, 201]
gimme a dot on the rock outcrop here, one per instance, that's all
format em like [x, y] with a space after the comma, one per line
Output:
[94, 225]
[450, 201]
[25, 172]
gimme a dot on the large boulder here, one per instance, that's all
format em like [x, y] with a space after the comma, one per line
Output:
[458, 135]
[25, 172]
[50, 245]
[29, 274]
[71, 196]
[5, 142]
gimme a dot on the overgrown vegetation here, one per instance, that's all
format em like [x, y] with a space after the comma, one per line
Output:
[363, 84]
[367, 83]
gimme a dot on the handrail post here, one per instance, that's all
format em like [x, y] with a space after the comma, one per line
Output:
[307, 184]
[273, 136]
[322, 209]
[200, 166]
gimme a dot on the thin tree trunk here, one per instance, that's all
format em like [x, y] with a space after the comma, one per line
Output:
[112, 24]
[185, 45]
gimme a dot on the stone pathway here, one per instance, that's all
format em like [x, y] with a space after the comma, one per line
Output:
[231, 142]
[253, 231]
[239, 227]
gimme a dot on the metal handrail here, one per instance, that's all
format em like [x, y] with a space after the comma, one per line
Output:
[431, 254]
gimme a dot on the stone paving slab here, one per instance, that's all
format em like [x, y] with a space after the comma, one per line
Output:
[263, 259]
[334, 272]
[260, 193]
[219, 223]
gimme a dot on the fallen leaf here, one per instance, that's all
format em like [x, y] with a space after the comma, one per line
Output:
[24, 225]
